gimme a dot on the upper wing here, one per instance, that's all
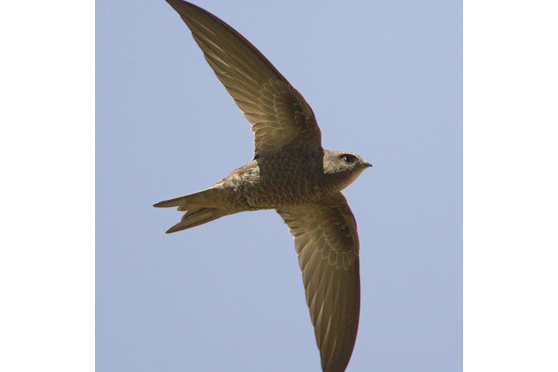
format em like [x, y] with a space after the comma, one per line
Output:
[278, 113]
[327, 245]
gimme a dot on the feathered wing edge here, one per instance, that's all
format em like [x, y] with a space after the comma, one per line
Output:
[277, 112]
[327, 245]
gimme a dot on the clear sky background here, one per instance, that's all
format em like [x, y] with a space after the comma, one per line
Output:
[384, 80]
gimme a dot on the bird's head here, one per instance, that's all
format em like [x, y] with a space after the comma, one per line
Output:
[344, 166]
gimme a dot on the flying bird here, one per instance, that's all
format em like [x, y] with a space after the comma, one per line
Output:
[291, 173]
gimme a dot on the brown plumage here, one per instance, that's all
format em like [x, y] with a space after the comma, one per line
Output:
[290, 173]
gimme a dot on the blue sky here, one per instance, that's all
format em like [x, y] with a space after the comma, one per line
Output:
[385, 82]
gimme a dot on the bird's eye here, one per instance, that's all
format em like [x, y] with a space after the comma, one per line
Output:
[349, 158]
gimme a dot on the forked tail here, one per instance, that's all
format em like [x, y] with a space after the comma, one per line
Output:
[200, 208]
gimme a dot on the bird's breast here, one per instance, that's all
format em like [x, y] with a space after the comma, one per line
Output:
[285, 179]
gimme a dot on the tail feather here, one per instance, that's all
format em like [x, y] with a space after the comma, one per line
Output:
[171, 202]
[196, 217]
[206, 197]
[200, 207]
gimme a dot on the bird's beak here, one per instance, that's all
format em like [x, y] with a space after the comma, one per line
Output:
[368, 165]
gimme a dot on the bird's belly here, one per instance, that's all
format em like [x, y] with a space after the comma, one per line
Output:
[280, 194]
[284, 183]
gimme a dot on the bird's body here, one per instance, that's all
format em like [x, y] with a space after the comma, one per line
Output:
[285, 179]
[290, 173]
